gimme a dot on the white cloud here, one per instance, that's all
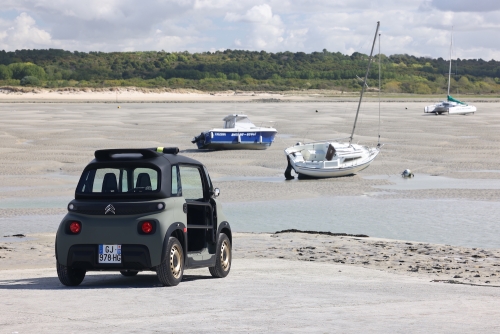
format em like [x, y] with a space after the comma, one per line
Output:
[203, 4]
[466, 5]
[419, 27]
[23, 33]
[266, 29]
[256, 14]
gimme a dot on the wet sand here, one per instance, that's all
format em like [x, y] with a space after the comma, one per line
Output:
[440, 263]
[45, 146]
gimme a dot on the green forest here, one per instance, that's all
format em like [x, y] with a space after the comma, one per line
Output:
[245, 70]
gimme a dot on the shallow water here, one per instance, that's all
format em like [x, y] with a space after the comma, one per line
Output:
[425, 181]
[252, 178]
[14, 239]
[444, 221]
[453, 222]
[34, 202]
[28, 225]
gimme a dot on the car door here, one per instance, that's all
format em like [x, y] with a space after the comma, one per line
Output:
[200, 213]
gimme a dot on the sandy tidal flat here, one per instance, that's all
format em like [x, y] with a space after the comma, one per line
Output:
[296, 282]
[439, 263]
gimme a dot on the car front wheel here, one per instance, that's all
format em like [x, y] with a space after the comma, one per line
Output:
[171, 269]
[70, 276]
[223, 258]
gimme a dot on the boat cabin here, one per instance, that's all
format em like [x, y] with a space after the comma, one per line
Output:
[237, 121]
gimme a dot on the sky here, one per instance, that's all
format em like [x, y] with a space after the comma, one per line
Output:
[415, 27]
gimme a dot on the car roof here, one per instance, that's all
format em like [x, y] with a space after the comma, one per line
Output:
[160, 156]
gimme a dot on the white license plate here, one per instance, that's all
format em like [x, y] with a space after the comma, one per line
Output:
[110, 254]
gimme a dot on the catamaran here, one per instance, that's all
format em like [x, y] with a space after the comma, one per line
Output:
[451, 105]
[333, 158]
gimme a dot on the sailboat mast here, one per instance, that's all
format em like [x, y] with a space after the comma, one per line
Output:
[364, 83]
[379, 85]
[449, 72]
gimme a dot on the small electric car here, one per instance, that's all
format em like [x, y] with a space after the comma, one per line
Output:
[143, 209]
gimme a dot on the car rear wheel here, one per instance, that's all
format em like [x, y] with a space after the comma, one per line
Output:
[70, 276]
[171, 269]
[129, 273]
[223, 258]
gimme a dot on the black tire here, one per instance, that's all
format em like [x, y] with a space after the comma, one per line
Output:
[223, 258]
[129, 273]
[70, 276]
[171, 269]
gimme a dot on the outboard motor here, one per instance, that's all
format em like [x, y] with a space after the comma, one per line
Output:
[200, 138]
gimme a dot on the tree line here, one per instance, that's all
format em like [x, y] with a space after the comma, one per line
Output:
[245, 70]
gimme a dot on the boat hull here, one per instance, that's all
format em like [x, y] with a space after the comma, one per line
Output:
[447, 108]
[327, 169]
[329, 173]
[236, 140]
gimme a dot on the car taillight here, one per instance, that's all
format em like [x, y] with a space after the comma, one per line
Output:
[147, 227]
[75, 227]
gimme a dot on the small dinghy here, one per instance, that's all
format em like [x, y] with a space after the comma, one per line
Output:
[333, 158]
[238, 133]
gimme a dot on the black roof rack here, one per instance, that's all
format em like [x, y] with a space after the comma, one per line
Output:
[146, 153]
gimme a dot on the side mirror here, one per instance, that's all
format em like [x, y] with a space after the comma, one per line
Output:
[216, 192]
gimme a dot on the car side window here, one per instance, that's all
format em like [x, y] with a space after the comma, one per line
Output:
[191, 181]
[176, 189]
[210, 186]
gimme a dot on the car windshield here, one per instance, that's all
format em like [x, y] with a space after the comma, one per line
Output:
[118, 181]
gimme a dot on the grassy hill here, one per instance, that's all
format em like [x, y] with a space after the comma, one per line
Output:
[245, 70]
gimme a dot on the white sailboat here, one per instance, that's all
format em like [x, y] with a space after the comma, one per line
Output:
[451, 105]
[333, 158]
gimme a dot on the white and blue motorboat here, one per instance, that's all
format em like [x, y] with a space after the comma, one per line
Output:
[238, 133]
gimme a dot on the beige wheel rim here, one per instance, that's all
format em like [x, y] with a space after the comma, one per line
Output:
[175, 261]
[225, 255]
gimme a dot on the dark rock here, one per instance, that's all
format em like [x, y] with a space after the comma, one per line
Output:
[293, 230]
